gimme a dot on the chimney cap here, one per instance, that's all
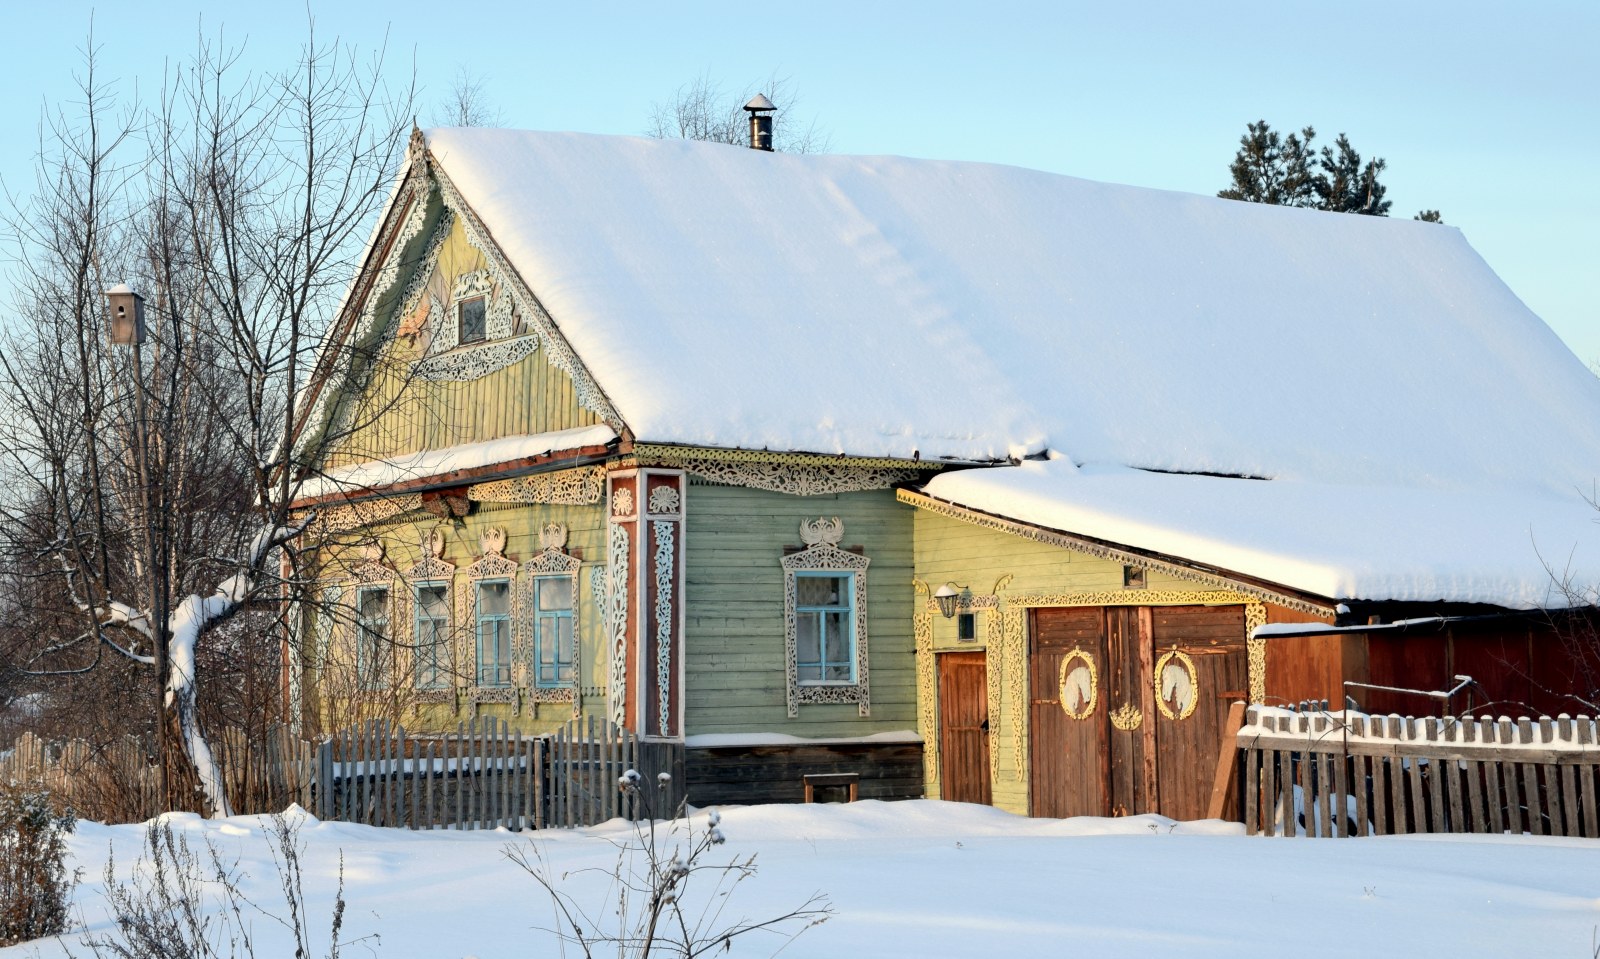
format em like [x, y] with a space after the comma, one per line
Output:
[759, 102]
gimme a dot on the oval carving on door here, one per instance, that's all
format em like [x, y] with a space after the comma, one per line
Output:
[1080, 685]
[1177, 685]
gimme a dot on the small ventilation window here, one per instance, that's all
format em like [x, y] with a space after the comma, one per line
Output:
[967, 627]
[473, 315]
[1133, 577]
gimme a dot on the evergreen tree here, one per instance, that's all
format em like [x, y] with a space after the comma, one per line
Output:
[1346, 185]
[1270, 168]
[1273, 169]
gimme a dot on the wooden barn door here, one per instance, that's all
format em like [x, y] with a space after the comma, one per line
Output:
[1067, 742]
[964, 727]
[1199, 666]
[1147, 690]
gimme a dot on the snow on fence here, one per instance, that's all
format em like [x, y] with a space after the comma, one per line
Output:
[484, 776]
[1321, 773]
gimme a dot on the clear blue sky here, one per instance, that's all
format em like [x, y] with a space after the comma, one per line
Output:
[1488, 113]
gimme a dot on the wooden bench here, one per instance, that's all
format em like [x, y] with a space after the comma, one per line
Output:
[813, 781]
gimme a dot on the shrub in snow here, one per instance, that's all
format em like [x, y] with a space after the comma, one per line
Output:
[664, 895]
[186, 902]
[34, 883]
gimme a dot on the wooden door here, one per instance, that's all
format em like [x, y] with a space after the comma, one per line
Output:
[1128, 708]
[1067, 740]
[1199, 667]
[964, 727]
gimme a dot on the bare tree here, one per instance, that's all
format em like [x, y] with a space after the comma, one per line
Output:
[702, 110]
[467, 104]
[238, 203]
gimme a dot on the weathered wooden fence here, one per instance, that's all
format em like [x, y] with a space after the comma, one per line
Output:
[484, 776]
[264, 771]
[1319, 773]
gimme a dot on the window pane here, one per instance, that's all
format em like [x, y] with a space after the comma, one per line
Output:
[494, 599]
[473, 319]
[808, 639]
[819, 590]
[431, 604]
[555, 592]
[838, 637]
[374, 604]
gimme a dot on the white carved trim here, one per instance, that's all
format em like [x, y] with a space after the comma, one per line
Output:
[551, 561]
[799, 479]
[573, 487]
[617, 622]
[475, 360]
[824, 556]
[664, 499]
[665, 540]
[493, 564]
[338, 383]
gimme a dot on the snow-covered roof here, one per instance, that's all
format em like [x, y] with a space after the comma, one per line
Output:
[881, 306]
[1423, 434]
[1346, 542]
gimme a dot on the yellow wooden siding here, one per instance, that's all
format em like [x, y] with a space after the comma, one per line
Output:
[948, 550]
[398, 413]
[401, 541]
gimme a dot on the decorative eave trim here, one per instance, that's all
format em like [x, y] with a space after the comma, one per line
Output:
[1221, 579]
[548, 462]
[664, 454]
[396, 213]
[558, 352]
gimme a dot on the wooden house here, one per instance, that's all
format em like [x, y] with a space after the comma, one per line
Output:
[960, 480]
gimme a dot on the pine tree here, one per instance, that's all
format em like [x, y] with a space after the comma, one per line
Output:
[1346, 185]
[1286, 171]
[1273, 169]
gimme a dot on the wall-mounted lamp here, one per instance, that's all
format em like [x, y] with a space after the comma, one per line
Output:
[946, 597]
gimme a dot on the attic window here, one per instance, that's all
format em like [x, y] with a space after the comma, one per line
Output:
[473, 315]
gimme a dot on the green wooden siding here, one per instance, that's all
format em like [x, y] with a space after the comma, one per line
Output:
[734, 540]
[949, 550]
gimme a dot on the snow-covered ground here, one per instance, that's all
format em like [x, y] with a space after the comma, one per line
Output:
[947, 879]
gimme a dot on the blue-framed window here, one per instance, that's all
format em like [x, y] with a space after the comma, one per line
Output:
[492, 611]
[432, 631]
[825, 628]
[373, 649]
[553, 644]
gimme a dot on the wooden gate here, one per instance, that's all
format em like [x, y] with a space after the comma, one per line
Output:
[1068, 745]
[1199, 667]
[1128, 705]
[964, 727]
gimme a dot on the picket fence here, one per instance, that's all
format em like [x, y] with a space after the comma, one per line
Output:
[1321, 773]
[482, 776]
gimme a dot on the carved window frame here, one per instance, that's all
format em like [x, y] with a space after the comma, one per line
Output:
[491, 565]
[370, 665]
[552, 561]
[372, 574]
[432, 570]
[823, 556]
[442, 659]
[509, 618]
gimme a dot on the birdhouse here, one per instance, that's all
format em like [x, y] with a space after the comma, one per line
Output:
[126, 309]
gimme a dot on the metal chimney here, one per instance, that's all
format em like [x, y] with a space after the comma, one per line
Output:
[760, 122]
